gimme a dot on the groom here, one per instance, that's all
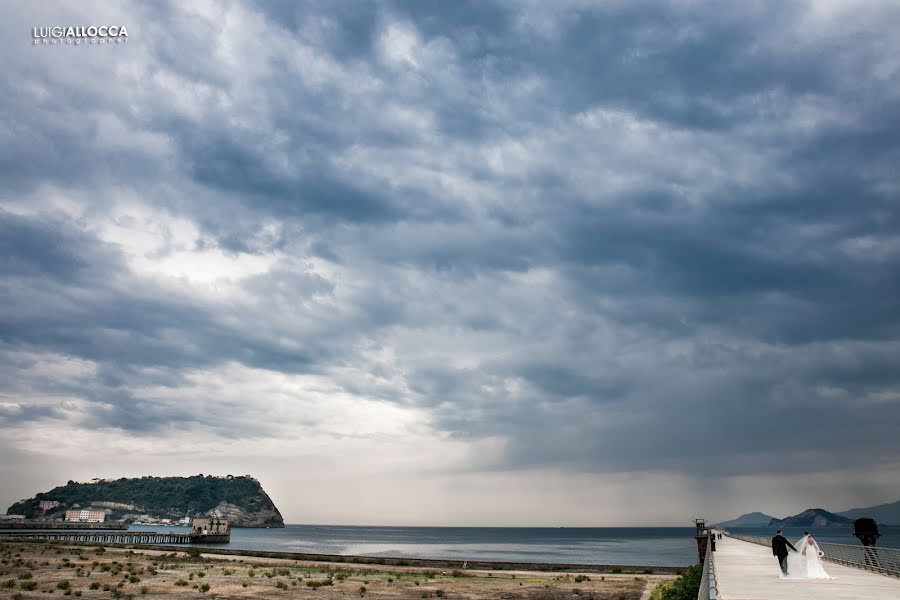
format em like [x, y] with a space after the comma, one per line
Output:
[780, 549]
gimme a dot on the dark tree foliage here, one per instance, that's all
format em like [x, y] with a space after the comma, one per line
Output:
[685, 587]
[196, 494]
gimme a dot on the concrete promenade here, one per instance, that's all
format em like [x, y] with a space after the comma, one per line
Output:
[747, 571]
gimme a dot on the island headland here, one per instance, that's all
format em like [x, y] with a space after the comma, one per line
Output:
[169, 500]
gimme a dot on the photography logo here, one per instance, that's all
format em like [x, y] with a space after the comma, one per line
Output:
[76, 36]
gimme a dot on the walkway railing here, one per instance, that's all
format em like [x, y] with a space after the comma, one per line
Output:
[709, 589]
[870, 558]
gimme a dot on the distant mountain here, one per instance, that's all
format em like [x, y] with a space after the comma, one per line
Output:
[754, 519]
[812, 517]
[884, 514]
[241, 500]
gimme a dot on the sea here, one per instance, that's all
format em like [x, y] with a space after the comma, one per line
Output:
[646, 546]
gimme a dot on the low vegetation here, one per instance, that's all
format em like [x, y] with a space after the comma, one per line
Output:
[49, 568]
[686, 587]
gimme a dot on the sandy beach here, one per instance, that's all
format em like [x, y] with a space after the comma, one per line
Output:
[32, 570]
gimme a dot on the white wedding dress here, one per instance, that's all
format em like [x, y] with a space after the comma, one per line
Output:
[806, 562]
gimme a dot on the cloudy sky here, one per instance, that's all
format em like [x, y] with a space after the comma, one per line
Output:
[518, 263]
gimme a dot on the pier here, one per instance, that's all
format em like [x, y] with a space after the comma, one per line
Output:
[60, 525]
[203, 531]
[742, 568]
[111, 537]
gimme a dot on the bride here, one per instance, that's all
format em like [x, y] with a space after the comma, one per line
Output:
[806, 562]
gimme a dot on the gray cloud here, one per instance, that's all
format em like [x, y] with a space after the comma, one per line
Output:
[611, 237]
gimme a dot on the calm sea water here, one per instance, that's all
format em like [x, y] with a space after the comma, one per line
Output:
[651, 546]
[671, 546]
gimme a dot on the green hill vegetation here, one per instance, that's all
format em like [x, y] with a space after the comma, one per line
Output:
[240, 499]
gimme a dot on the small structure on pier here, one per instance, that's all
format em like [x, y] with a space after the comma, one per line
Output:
[212, 529]
[702, 537]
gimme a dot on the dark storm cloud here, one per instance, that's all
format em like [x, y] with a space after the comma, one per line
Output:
[633, 224]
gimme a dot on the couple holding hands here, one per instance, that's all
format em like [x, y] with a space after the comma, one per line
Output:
[806, 560]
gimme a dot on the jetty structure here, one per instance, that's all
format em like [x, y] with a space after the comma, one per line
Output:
[739, 567]
[31, 524]
[205, 530]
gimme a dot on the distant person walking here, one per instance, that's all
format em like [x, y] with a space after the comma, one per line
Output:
[780, 549]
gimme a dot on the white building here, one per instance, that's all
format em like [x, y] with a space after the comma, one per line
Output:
[86, 516]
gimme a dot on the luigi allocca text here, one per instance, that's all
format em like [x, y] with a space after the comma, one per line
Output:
[92, 34]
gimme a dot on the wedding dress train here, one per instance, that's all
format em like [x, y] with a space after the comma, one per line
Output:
[806, 562]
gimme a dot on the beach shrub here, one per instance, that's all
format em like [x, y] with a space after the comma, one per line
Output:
[28, 585]
[362, 590]
[26, 575]
[201, 574]
[616, 570]
[145, 589]
[281, 585]
[181, 583]
[439, 593]
[251, 573]
[284, 572]
[63, 585]
[134, 579]
[580, 578]
[78, 593]
[685, 587]
[94, 585]
[205, 588]
[9, 583]
[317, 583]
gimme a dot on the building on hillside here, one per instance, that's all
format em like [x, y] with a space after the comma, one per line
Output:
[48, 504]
[86, 516]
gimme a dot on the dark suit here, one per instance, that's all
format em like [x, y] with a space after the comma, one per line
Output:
[780, 549]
